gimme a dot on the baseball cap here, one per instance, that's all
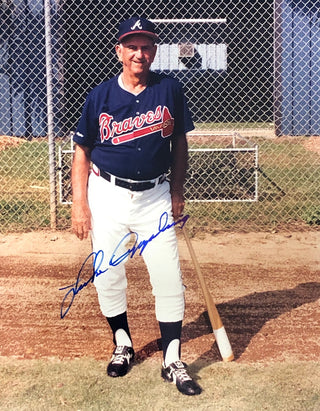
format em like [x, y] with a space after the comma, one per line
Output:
[137, 25]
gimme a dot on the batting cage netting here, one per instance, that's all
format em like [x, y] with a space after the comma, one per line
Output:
[250, 71]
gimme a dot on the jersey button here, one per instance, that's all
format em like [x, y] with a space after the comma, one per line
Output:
[139, 148]
[137, 101]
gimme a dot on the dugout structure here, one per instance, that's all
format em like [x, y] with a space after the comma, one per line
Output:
[220, 174]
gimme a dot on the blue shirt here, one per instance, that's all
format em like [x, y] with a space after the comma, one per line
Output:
[130, 136]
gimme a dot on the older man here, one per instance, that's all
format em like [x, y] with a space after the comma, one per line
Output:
[133, 130]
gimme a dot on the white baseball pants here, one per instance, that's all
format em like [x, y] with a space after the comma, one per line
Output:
[115, 213]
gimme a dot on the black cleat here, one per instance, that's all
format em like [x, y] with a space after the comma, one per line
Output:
[177, 374]
[120, 361]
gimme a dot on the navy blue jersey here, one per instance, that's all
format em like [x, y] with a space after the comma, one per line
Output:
[130, 136]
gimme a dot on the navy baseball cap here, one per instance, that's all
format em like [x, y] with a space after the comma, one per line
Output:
[137, 25]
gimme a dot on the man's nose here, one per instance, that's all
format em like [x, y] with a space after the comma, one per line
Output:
[139, 53]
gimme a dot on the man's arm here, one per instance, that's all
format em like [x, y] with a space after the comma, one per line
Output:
[178, 173]
[81, 216]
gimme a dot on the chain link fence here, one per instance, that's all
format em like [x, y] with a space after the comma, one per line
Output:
[251, 73]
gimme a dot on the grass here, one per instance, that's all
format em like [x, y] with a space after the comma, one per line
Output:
[288, 190]
[24, 190]
[28, 160]
[82, 384]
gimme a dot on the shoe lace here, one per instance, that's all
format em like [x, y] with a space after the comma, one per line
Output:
[120, 358]
[182, 375]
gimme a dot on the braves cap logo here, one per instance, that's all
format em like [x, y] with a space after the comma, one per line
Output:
[137, 25]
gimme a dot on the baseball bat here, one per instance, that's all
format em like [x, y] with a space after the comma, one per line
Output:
[215, 320]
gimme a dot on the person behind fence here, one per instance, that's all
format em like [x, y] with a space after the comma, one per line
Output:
[132, 131]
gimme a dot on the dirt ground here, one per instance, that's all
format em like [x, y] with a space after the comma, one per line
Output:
[266, 287]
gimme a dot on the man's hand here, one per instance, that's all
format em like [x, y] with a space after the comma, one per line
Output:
[178, 173]
[177, 200]
[81, 220]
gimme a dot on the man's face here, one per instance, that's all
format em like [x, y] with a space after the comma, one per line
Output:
[136, 53]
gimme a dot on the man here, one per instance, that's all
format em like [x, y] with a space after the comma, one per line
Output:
[133, 129]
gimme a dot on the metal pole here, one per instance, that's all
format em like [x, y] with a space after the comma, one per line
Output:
[51, 141]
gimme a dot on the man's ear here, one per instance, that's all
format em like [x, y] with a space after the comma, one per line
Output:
[118, 51]
[155, 52]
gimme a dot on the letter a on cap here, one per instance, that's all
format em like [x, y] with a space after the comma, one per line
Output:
[137, 25]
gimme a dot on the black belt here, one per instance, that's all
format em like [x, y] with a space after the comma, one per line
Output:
[134, 185]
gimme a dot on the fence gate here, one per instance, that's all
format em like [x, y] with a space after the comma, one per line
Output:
[214, 174]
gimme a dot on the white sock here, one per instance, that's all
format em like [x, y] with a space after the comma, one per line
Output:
[122, 338]
[172, 353]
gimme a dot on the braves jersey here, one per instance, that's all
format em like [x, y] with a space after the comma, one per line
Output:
[130, 136]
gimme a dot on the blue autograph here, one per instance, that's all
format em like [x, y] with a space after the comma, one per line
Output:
[163, 226]
[115, 260]
[76, 287]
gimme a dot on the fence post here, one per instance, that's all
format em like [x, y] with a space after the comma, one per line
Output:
[50, 130]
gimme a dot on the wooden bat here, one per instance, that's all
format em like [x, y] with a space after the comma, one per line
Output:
[215, 320]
